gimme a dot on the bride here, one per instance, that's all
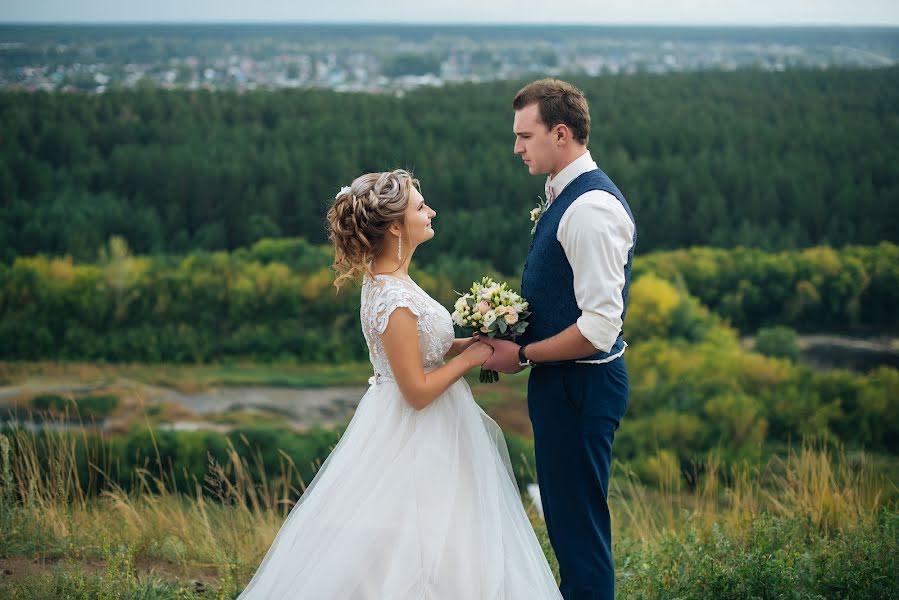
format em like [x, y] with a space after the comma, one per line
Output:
[417, 500]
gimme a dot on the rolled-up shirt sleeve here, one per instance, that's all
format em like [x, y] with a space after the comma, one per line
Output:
[597, 234]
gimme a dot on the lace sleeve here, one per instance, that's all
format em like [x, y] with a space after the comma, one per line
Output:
[392, 298]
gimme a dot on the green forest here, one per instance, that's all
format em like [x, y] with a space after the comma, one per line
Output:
[775, 161]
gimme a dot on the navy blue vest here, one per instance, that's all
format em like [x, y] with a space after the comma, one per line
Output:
[547, 282]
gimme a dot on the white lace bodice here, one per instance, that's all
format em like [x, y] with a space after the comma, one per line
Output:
[381, 295]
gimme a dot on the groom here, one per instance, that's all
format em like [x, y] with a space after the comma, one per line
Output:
[576, 280]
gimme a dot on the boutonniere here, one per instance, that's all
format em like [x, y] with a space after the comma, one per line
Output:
[537, 212]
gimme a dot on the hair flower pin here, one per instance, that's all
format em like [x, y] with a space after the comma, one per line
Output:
[342, 191]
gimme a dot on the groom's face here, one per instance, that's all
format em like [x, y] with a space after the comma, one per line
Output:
[534, 141]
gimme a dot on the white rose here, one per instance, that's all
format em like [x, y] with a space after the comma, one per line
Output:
[489, 317]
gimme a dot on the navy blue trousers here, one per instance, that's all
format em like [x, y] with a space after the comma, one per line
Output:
[575, 410]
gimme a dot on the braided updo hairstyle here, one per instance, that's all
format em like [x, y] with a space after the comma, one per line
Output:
[360, 216]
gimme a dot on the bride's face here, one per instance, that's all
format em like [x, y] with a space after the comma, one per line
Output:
[418, 219]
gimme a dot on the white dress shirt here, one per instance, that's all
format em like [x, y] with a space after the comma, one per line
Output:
[596, 235]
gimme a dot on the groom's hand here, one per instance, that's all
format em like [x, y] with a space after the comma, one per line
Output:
[505, 355]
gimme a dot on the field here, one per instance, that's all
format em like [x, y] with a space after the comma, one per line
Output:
[814, 524]
[815, 521]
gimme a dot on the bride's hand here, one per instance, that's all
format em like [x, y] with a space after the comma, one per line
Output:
[464, 343]
[478, 353]
[459, 345]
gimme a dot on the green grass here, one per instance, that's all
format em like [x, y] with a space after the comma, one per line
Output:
[117, 579]
[768, 557]
[87, 407]
[195, 377]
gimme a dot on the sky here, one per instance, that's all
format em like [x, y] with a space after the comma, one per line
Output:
[661, 12]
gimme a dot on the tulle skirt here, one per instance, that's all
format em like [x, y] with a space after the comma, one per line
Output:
[409, 505]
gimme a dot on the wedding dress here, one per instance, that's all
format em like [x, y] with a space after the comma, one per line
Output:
[410, 504]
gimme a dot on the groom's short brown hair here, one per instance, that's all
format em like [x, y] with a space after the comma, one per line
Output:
[558, 102]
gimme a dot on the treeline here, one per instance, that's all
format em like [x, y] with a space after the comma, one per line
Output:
[776, 161]
[276, 299]
[853, 289]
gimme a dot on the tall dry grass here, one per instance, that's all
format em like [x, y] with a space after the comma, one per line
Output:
[837, 492]
[227, 521]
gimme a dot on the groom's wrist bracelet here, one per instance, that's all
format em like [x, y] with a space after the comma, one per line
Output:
[523, 360]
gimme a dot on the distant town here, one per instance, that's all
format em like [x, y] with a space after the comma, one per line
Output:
[394, 59]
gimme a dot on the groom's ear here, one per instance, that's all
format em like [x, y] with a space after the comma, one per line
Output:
[561, 133]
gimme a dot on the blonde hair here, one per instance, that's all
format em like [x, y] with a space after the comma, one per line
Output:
[360, 216]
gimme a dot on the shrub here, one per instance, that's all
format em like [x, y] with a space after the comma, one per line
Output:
[779, 342]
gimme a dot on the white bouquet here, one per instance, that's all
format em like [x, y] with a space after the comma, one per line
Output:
[494, 310]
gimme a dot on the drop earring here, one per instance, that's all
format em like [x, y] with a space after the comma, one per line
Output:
[399, 249]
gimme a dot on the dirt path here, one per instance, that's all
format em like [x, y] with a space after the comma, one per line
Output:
[301, 408]
[19, 567]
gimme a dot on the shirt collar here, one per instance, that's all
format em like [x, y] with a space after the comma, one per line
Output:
[575, 168]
